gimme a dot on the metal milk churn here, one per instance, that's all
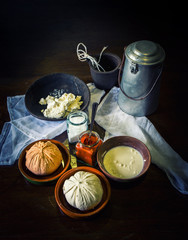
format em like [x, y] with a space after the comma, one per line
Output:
[140, 81]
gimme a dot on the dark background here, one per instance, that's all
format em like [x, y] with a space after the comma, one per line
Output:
[39, 37]
[35, 31]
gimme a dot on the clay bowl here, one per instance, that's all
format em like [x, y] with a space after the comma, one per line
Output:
[72, 212]
[51, 178]
[106, 80]
[124, 141]
[49, 85]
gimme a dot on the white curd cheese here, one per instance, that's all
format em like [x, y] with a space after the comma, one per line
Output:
[59, 107]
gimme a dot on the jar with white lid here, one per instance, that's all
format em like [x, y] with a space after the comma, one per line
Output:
[77, 122]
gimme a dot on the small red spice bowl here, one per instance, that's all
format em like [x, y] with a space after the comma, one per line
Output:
[36, 179]
[124, 141]
[72, 212]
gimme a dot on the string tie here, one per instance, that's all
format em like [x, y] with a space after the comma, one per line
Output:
[84, 56]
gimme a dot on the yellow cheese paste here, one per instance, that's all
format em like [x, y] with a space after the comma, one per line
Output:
[123, 162]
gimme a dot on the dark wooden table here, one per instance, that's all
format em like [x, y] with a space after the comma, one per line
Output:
[40, 37]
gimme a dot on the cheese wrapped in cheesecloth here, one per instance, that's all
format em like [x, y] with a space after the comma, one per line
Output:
[83, 190]
[43, 158]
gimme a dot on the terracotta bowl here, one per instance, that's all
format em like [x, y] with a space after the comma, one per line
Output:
[72, 212]
[31, 177]
[124, 141]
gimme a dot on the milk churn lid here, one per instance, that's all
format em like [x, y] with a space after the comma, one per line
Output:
[145, 52]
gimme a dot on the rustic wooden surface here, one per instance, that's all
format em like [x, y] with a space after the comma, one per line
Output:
[40, 37]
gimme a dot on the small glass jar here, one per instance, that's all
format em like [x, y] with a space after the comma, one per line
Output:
[77, 122]
[87, 147]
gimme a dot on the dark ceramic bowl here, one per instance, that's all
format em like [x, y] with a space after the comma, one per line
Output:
[72, 212]
[124, 141]
[36, 179]
[108, 79]
[49, 84]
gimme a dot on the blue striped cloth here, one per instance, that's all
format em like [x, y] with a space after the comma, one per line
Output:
[23, 129]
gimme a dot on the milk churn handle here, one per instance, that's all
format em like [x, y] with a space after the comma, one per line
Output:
[119, 82]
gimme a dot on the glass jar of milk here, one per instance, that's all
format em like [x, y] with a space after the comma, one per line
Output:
[77, 122]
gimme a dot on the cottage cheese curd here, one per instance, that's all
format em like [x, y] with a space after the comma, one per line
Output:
[60, 107]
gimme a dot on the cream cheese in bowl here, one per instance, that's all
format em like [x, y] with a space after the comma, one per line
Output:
[123, 158]
[123, 162]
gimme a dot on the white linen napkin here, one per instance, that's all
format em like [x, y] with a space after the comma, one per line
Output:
[116, 122]
[24, 128]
